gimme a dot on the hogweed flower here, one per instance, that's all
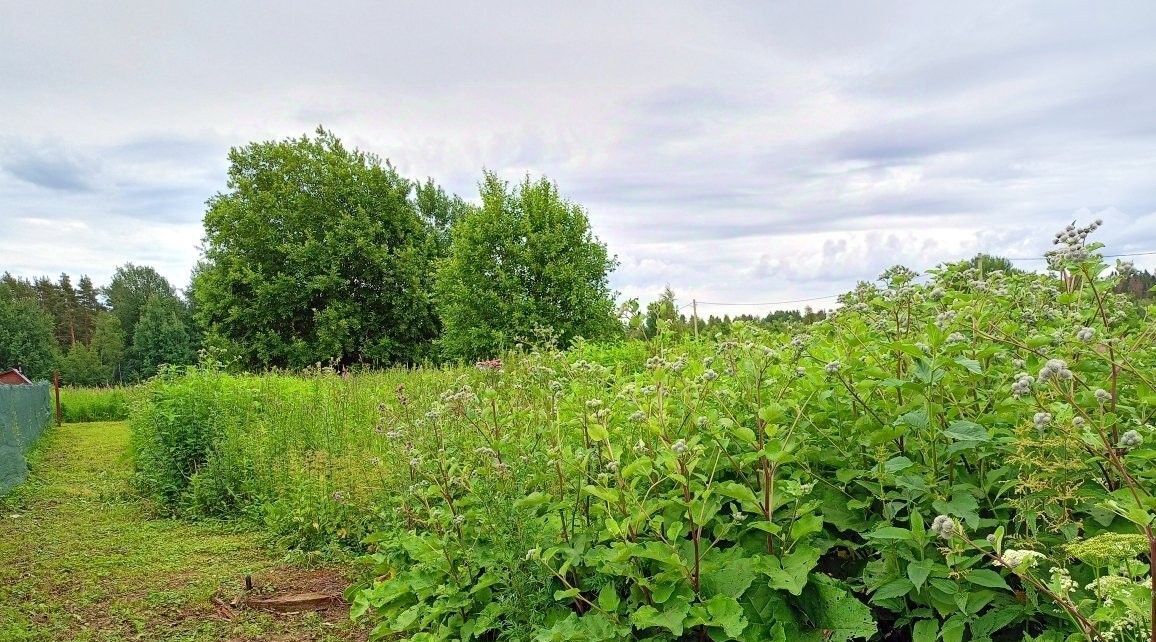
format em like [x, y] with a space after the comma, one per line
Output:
[943, 526]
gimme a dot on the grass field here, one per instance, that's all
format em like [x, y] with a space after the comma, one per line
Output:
[82, 558]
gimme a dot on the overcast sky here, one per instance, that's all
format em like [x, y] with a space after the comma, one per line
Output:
[739, 152]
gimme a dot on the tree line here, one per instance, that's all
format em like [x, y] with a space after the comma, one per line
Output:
[94, 336]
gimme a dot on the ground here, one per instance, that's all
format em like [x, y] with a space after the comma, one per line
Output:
[82, 558]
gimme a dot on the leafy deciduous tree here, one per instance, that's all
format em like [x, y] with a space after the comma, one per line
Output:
[525, 259]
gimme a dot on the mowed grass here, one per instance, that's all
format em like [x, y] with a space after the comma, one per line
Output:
[82, 558]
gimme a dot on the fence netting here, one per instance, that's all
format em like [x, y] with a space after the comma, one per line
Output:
[25, 412]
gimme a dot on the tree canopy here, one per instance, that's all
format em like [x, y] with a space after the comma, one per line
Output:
[319, 253]
[525, 259]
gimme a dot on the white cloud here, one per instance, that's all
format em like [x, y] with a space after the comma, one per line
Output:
[738, 153]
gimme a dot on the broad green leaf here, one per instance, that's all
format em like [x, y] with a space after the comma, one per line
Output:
[987, 577]
[963, 430]
[918, 571]
[893, 589]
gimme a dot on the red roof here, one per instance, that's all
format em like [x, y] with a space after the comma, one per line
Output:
[14, 377]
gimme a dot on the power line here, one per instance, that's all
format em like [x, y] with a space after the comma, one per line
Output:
[1106, 256]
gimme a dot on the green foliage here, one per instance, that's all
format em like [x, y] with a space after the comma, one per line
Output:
[26, 339]
[81, 367]
[160, 337]
[319, 253]
[891, 472]
[131, 289]
[525, 259]
[108, 342]
[83, 405]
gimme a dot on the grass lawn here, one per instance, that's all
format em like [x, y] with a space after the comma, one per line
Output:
[82, 558]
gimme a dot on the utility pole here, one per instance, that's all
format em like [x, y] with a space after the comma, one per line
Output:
[694, 304]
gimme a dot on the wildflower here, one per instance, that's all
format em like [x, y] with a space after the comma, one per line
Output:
[638, 416]
[459, 519]
[1023, 385]
[1053, 368]
[1042, 419]
[1130, 440]
[937, 293]
[1062, 580]
[338, 496]
[943, 526]
[798, 341]
[800, 372]
[489, 364]
[956, 337]
[612, 465]
[707, 362]
[679, 364]
[640, 447]
[1085, 333]
[654, 363]
[415, 462]
[1102, 395]
[700, 422]
[944, 319]
[832, 367]
[679, 447]
[1078, 422]
[593, 404]
[709, 375]
[648, 390]
[602, 414]
[1016, 558]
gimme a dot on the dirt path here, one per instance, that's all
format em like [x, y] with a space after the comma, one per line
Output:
[81, 558]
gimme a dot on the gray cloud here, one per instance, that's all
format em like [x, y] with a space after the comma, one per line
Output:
[738, 152]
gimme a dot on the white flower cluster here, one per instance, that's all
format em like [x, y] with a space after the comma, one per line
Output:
[833, 367]
[943, 526]
[1070, 244]
[1062, 581]
[1103, 396]
[1130, 439]
[1017, 558]
[944, 319]
[679, 447]
[1022, 386]
[1057, 368]
[638, 416]
[1041, 420]
[1086, 334]
[956, 337]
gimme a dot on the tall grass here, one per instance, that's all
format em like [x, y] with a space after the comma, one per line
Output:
[79, 405]
[298, 453]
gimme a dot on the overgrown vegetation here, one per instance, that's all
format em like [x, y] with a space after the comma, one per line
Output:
[962, 458]
[81, 405]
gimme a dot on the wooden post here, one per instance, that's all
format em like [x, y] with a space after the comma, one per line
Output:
[694, 303]
[56, 389]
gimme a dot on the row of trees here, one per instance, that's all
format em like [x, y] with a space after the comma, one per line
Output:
[94, 336]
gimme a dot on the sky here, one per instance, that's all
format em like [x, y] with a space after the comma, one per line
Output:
[740, 152]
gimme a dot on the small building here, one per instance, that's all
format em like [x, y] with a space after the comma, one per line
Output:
[14, 377]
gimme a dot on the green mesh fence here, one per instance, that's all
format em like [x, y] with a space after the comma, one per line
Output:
[24, 414]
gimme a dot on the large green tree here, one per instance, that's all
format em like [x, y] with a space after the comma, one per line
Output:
[133, 286]
[160, 337]
[108, 342]
[318, 252]
[26, 335]
[525, 259]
